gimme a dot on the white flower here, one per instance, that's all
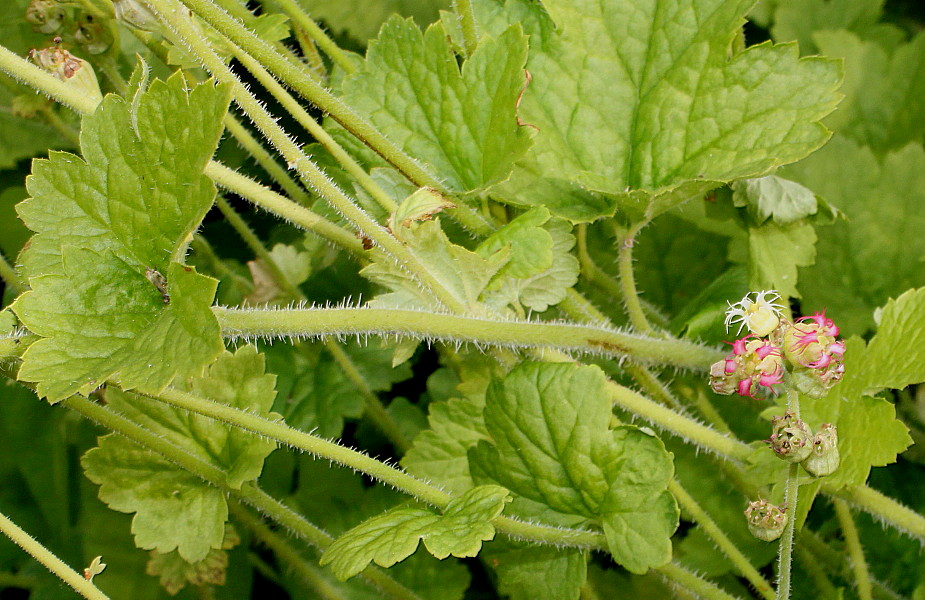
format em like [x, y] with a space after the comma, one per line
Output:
[761, 315]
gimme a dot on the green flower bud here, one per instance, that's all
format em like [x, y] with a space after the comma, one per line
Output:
[791, 439]
[135, 13]
[69, 69]
[824, 458]
[95, 36]
[46, 16]
[765, 520]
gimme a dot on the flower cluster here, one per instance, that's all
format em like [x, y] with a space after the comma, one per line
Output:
[810, 346]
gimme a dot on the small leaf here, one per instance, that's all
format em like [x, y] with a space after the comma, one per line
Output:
[895, 357]
[422, 205]
[529, 572]
[551, 443]
[136, 337]
[462, 122]
[174, 509]
[463, 273]
[776, 198]
[394, 535]
[175, 573]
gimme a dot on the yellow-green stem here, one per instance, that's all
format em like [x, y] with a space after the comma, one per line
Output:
[301, 20]
[678, 575]
[468, 24]
[722, 541]
[48, 560]
[855, 551]
[626, 240]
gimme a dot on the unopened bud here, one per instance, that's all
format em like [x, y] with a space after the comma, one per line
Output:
[135, 13]
[824, 458]
[765, 520]
[791, 439]
[69, 69]
[46, 16]
[95, 36]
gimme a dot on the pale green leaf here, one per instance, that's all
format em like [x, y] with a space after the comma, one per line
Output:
[645, 97]
[877, 253]
[895, 357]
[133, 479]
[461, 272]
[775, 252]
[460, 122]
[138, 191]
[541, 268]
[883, 90]
[175, 573]
[550, 442]
[527, 572]
[394, 535]
[775, 198]
[101, 319]
[422, 205]
[799, 19]
[440, 453]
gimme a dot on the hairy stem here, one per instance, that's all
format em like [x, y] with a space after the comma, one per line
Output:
[626, 240]
[469, 26]
[722, 541]
[249, 492]
[375, 410]
[523, 334]
[269, 200]
[10, 277]
[51, 562]
[890, 511]
[855, 551]
[678, 575]
[317, 131]
[785, 554]
[301, 20]
[282, 433]
[190, 35]
[266, 161]
[667, 419]
[309, 573]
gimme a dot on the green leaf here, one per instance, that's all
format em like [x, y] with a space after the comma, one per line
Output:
[550, 443]
[895, 357]
[882, 90]
[463, 273]
[775, 198]
[361, 19]
[541, 268]
[800, 19]
[440, 453]
[136, 338]
[422, 205]
[314, 392]
[775, 252]
[869, 434]
[22, 137]
[174, 509]
[860, 263]
[643, 100]
[175, 573]
[461, 122]
[527, 572]
[139, 190]
[394, 535]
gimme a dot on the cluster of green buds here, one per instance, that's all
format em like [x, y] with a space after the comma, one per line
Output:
[793, 441]
[806, 352]
[766, 521]
[94, 34]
